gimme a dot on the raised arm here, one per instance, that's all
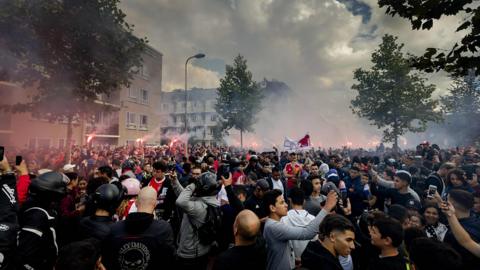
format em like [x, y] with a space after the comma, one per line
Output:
[234, 202]
[285, 232]
[380, 181]
[458, 231]
[177, 187]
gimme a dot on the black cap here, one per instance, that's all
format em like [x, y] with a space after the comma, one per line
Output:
[52, 182]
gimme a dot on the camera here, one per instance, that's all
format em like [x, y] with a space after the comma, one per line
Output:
[170, 167]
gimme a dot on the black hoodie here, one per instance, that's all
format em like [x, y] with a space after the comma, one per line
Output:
[315, 256]
[139, 242]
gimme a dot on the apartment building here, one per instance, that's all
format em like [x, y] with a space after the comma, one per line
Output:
[128, 116]
[201, 115]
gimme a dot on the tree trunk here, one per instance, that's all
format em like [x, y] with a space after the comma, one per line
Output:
[395, 141]
[395, 145]
[241, 138]
[68, 154]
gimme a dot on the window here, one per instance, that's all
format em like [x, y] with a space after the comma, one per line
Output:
[98, 117]
[132, 93]
[144, 96]
[145, 72]
[213, 118]
[131, 120]
[174, 120]
[143, 122]
[165, 106]
[194, 117]
[210, 131]
[61, 143]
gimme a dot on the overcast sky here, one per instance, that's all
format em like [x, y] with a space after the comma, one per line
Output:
[313, 46]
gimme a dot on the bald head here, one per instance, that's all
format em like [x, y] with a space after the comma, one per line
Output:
[146, 200]
[246, 227]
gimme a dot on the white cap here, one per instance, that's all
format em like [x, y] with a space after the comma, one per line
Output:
[42, 171]
[68, 168]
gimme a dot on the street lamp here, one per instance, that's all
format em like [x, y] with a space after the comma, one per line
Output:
[198, 55]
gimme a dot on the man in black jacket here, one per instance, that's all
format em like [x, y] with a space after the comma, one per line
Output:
[336, 237]
[255, 202]
[106, 199]
[8, 215]
[246, 254]
[140, 242]
[37, 244]
[162, 184]
[438, 178]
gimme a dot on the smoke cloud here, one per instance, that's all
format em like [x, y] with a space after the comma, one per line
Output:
[313, 46]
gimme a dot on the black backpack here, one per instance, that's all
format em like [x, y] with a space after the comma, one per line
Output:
[211, 232]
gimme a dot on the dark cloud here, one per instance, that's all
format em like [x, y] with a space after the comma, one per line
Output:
[312, 45]
[358, 8]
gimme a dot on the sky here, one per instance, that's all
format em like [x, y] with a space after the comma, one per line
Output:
[313, 46]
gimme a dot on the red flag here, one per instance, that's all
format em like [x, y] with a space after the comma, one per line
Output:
[305, 141]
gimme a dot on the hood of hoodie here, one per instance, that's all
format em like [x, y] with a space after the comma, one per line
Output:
[210, 200]
[299, 217]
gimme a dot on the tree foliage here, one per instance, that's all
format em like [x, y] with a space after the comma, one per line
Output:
[457, 60]
[69, 51]
[391, 96]
[239, 98]
[462, 108]
[464, 96]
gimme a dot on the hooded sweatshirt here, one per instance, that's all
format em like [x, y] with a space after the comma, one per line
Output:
[195, 212]
[297, 218]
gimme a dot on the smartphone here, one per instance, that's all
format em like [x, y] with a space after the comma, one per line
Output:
[431, 191]
[2, 151]
[343, 195]
[18, 160]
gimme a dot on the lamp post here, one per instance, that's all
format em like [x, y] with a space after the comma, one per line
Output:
[198, 55]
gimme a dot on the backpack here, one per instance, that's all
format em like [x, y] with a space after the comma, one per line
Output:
[211, 231]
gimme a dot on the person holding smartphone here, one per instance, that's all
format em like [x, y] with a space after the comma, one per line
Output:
[8, 215]
[460, 234]
[462, 203]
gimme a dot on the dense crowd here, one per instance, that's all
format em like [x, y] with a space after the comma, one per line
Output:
[150, 207]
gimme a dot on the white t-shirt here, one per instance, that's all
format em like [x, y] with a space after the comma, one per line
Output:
[277, 184]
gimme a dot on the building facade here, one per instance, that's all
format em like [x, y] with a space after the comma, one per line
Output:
[128, 116]
[201, 115]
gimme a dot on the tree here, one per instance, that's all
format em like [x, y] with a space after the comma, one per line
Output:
[462, 108]
[238, 99]
[463, 55]
[70, 51]
[391, 96]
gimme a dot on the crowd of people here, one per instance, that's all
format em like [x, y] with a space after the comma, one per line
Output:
[151, 207]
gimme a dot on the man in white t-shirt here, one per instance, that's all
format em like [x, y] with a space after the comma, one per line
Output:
[276, 182]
